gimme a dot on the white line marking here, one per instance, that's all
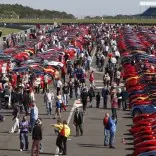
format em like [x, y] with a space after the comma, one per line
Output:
[75, 105]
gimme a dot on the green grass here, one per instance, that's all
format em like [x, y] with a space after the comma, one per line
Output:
[146, 21]
[7, 31]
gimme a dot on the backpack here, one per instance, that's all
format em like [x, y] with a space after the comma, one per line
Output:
[106, 122]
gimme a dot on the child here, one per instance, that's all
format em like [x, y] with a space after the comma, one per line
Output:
[98, 100]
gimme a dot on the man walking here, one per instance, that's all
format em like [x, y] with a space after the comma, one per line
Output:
[78, 120]
[36, 137]
[106, 129]
[48, 99]
[33, 115]
[65, 91]
[59, 85]
[24, 129]
[112, 124]
[91, 94]
[64, 134]
[84, 96]
[105, 93]
[124, 95]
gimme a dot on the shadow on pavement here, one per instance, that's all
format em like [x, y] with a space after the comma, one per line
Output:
[130, 138]
[105, 108]
[128, 134]
[129, 149]
[91, 145]
[127, 113]
[43, 153]
[14, 150]
[129, 155]
[130, 143]
[129, 125]
[127, 117]
[95, 119]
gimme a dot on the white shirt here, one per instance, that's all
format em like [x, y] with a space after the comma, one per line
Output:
[107, 48]
[46, 78]
[3, 70]
[59, 84]
[113, 60]
[49, 97]
[117, 53]
[38, 81]
[35, 113]
[32, 96]
[118, 74]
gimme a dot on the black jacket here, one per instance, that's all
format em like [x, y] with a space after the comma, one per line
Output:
[37, 133]
[84, 96]
[78, 118]
[65, 89]
[26, 99]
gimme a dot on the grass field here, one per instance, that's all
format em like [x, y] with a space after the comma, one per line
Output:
[7, 31]
[130, 21]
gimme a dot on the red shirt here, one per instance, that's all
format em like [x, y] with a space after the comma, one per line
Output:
[114, 102]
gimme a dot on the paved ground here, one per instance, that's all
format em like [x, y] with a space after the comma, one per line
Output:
[91, 144]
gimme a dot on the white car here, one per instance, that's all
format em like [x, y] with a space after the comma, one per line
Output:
[54, 63]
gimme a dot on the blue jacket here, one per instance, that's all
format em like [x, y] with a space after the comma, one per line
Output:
[112, 125]
[105, 92]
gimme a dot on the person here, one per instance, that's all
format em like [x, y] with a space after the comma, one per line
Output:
[33, 115]
[124, 95]
[26, 101]
[65, 91]
[84, 96]
[78, 120]
[76, 87]
[118, 77]
[114, 104]
[59, 85]
[102, 61]
[48, 100]
[117, 55]
[15, 114]
[119, 96]
[31, 95]
[37, 84]
[112, 124]
[106, 129]
[58, 108]
[64, 134]
[36, 137]
[98, 99]
[71, 86]
[105, 93]
[24, 129]
[45, 86]
[91, 94]
[39, 120]
[15, 125]
[64, 72]
[58, 127]
[91, 79]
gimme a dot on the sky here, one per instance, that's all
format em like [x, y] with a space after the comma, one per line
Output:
[81, 8]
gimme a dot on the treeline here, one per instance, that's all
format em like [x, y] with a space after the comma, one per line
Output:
[113, 17]
[19, 11]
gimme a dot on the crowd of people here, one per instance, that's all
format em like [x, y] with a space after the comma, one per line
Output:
[77, 81]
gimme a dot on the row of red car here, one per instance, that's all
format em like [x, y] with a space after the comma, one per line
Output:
[140, 76]
[51, 61]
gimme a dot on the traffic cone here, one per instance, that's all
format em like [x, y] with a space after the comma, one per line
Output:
[123, 141]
